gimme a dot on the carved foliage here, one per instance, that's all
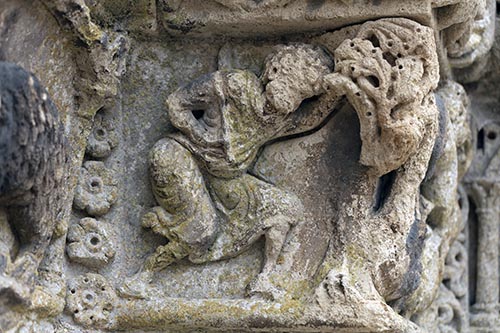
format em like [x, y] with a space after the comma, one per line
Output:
[388, 73]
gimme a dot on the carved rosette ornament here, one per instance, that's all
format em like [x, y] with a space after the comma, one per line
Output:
[89, 243]
[91, 300]
[96, 190]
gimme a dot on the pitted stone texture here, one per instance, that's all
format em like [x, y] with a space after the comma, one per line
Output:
[451, 158]
[33, 175]
[91, 300]
[225, 118]
[358, 254]
[388, 73]
[468, 30]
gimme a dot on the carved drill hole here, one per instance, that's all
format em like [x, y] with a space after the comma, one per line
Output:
[94, 240]
[419, 30]
[76, 311]
[352, 44]
[73, 291]
[389, 58]
[89, 297]
[374, 40]
[400, 66]
[374, 81]
[368, 114]
[383, 190]
[95, 184]
[492, 135]
[480, 140]
[390, 43]
[86, 280]
[406, 47]
[198, 114]
[100, 133]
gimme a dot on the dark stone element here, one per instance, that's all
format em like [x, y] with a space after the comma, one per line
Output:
[437, 151]
[32, 171]
[414, 248]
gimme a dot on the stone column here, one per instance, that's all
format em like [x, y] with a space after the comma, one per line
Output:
[485, 310]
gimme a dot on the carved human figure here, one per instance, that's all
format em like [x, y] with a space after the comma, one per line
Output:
[32, 171]
[210, 207]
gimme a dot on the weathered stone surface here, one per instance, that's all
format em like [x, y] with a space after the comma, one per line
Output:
[271, 166]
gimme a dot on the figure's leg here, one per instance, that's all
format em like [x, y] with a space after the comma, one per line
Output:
[164, 256]
[136, 286]
[185, 214]
[180, 190]
[275, 239]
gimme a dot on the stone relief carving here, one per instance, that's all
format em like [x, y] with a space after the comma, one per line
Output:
[104, 137]
[88, 243]
[440, 190]
[91, 300]
[311, 181]
[224, 119]
[96, 189]
[33, 171]
[468, 32]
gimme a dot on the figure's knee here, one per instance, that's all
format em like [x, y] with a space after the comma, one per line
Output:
[170, 163]
[279, 228]
[291, 210]
[175, 176]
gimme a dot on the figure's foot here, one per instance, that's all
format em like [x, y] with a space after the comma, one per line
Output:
[262, 288]
[14, 291]
[136, 285]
